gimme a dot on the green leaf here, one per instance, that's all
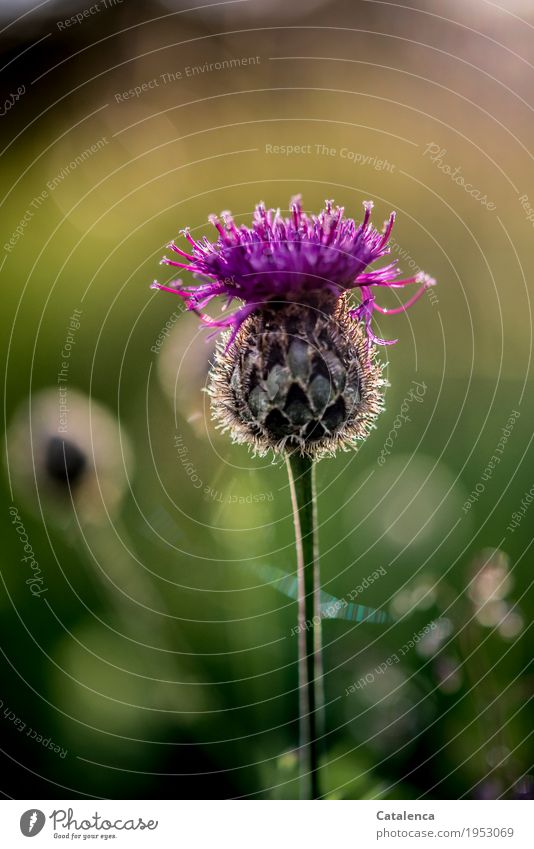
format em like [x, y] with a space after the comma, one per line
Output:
[331, 607]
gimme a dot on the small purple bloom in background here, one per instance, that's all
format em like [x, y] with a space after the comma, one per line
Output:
[301, 259]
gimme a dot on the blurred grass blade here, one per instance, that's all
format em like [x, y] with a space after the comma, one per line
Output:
[331, 607]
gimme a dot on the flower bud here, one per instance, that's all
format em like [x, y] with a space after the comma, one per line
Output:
[297, 378]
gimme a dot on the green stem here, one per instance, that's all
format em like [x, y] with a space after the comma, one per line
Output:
[301, 471]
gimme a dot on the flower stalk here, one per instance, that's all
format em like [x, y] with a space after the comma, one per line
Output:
[301, 471]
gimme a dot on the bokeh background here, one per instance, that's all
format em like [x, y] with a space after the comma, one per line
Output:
[145, 646]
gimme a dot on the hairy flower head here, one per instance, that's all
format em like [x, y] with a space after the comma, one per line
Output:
[296, 368]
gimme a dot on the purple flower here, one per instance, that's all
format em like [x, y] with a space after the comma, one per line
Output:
[301, 259]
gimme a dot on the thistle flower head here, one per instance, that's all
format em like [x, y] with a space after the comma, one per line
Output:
[296, 368]
[299, 259]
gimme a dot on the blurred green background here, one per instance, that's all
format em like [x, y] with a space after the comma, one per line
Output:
[159, 663]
